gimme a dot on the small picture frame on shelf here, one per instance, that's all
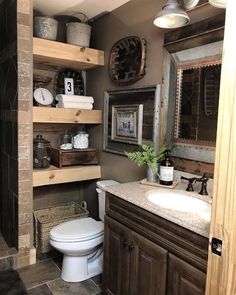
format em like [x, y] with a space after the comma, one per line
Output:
[69, 86]
[127, 123]
[69, 82]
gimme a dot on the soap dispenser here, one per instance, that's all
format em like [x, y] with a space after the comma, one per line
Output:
[166, 170]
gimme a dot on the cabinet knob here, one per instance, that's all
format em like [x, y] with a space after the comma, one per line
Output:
[125, 243]
[131, 247]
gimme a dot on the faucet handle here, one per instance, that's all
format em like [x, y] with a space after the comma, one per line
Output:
[191, 181]
[203, 180]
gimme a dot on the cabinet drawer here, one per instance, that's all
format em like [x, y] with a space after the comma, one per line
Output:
[183, 243]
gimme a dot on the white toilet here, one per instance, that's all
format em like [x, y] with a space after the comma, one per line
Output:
[80, 240]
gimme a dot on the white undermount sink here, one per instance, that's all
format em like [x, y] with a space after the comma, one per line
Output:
[179, 201]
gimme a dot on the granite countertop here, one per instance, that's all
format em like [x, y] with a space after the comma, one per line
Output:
[135, 193]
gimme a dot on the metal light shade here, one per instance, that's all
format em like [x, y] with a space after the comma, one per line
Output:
[218, 3]
[171, 16]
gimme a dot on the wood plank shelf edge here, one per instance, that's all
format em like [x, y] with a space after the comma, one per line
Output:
[54, 175]
[70, 116]
[53, 53]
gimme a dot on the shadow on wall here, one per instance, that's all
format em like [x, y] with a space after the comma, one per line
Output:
[9, 122]
[91, 197]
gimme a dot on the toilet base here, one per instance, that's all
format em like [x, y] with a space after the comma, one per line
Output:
[78, 269]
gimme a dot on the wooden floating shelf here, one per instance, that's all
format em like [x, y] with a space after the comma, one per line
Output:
[52, 53]
[68, 116]
[53, 175]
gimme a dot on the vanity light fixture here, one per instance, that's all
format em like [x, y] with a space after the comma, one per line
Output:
[173, 14]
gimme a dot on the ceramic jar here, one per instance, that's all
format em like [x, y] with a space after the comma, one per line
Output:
[81, 141]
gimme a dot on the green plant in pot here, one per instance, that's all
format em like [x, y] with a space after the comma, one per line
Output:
[150, 157]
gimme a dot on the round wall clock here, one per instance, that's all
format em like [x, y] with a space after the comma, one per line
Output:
[69, 82]
[127, 60]
[43, 97]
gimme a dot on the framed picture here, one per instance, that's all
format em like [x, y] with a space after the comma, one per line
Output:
[69, 82]
[127, 123]
[69, 86]
[131, 118]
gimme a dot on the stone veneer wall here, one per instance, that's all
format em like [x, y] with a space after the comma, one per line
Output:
[16, 128]
[26, 254]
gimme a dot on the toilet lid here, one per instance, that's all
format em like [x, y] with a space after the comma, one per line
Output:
[77, 229]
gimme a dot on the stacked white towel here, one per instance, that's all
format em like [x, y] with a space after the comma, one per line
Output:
[75, 102]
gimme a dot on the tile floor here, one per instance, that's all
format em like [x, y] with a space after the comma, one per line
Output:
[43, 278]
[6, 255]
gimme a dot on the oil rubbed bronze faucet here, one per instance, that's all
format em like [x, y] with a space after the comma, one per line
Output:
[203, 180]
[191, 181]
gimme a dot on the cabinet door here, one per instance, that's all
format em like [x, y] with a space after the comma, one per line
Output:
[116, 258]
[184, 279]
[149, 264]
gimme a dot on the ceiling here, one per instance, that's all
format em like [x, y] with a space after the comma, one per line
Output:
[91, 8]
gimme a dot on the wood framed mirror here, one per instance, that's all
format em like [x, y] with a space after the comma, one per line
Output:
[189, 116]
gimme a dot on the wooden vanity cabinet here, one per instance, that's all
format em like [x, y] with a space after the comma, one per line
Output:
[145, 254]
[183, 278]
[133, 264]
[117, 259]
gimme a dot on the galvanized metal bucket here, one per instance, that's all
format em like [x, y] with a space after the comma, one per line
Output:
[45, 27]
[78, 34]
[151, 176]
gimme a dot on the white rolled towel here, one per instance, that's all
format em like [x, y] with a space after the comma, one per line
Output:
[74, 98]
[75, 105]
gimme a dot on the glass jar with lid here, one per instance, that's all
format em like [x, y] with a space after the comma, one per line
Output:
[41, 152]
[65, 141]
[81, 140]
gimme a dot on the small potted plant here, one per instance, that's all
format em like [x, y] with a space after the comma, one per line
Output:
[150, 157]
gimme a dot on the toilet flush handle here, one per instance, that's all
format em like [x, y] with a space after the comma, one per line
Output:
[98, 190]
[84, 205]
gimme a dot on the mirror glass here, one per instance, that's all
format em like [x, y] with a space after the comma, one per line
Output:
[196, 107]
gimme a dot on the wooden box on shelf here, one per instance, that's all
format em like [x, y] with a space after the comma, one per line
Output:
[61, 158]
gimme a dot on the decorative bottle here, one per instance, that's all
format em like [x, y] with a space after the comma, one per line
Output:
[166, 171]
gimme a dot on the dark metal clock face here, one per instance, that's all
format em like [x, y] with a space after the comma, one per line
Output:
[64, 82]
[127, 60]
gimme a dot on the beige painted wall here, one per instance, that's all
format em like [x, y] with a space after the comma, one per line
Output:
[134, 18]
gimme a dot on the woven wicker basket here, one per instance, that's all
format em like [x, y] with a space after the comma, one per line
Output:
[46, 219]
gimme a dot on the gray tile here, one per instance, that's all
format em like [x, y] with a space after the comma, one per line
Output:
[59, 287]
[58, 261]
[97, 280]
[43, 256]
[40, 290]
[39, 273]
[91, 287]
[6, 263]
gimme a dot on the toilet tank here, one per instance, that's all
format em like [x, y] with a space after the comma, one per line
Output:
[101, 189]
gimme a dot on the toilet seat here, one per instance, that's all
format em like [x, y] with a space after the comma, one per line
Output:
[77, 230]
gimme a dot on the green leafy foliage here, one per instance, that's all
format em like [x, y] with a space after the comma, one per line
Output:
[148, 156]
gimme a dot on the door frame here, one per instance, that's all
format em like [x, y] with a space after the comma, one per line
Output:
[221, 269]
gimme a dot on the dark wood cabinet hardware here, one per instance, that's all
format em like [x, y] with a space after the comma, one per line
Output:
[125, 243]
[131, 247]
